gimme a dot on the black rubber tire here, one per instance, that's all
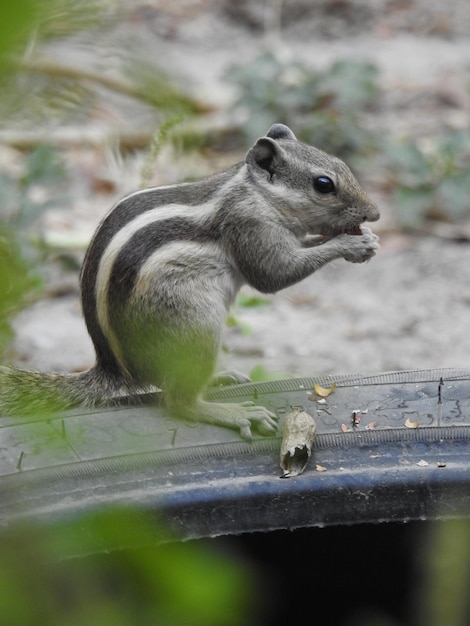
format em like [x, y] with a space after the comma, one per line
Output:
[389, 446]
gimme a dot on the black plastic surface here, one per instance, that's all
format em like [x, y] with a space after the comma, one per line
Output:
[389, 446]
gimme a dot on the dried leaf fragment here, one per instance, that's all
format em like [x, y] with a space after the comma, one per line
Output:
[410, 424]
[345, 428]
[297, 440]
[323, 392]
[320, 468]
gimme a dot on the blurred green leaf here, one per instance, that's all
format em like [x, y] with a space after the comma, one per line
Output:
[251, 301]
[234, 322]
[17, 20]
[17, 278]
[44, 90]
[259, 373]
[111, 568]
[443, 593]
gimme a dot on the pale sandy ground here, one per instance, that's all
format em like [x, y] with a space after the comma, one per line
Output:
[407, 308]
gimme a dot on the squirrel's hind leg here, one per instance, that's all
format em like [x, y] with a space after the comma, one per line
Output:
[189, 375]
[176, 348]
[242, 417]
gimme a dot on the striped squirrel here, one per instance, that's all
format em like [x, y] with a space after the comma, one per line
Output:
[166, 264]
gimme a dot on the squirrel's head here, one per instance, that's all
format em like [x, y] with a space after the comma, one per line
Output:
[308, 185]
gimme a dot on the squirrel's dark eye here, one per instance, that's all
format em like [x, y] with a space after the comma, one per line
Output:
[323, 184]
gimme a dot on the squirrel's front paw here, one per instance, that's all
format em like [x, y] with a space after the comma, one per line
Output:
[361, 247]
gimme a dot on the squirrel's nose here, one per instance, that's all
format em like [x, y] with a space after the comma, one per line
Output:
[372, 213]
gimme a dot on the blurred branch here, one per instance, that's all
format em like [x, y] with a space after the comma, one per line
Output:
[154, 88]
[72, 136]
[54, 70]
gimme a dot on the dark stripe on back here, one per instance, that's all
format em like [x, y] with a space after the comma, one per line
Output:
[141, 246]
[125, 211]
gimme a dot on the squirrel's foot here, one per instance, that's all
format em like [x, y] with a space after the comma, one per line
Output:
[265, 421]
[242, 417]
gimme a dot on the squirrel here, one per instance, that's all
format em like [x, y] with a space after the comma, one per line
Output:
[166, 263]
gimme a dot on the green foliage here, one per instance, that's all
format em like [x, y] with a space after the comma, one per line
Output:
[252, 301]
[430, 179]
[24, 24]
[60, 18]
[442, 597]
[16, 279]
[158, 140]
[43, 90]
[323, 106]
[151, 85]
[22, 251]
[17, 20]
[234, 322]
[25, 198]
[249, 302]
[117, 568]
[43, 165]
[259, 373]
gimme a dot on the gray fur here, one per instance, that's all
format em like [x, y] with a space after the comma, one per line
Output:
[166, 264]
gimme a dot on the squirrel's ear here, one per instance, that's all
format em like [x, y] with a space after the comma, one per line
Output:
[280, 131]
[263, 154]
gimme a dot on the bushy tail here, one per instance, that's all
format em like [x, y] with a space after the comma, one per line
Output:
[27, 392]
